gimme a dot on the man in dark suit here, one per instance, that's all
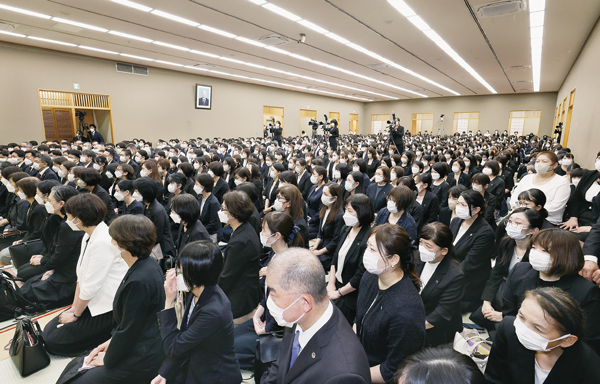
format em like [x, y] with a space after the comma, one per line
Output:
[43, 164]
[591, 251]
[94, 135]
[204, 101]
[318, 344]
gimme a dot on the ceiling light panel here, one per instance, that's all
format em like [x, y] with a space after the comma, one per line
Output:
[12, 34]
[536, 25]
[24, 11]
[217, 31]
[174, 18]
[78, 24]
[98, 50]
[133, 5]
[51, 41]
[250, 41]
[312, 26]
[137, 57]
[178, 47]
[281, 12]
[127, 35]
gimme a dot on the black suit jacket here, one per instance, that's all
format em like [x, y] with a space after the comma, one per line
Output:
[110, 208]
[209, 216]
[304, 185]
[330, 233]
[239, 278]
[511, 363]
[431, 208]
[95, 137]
[135, 341]
[592, 243]
[523, 278]
[381, 200]
[332, 356]
[441, 298]
[463, 179]
[157, 214]
[577, 204]
[36, 216]
[135, 208]
[195, 232]
[269, 194]
[202, 351]
[63, 253]
[441, 191]
[474, 251]
[220, 189]
[49, 174]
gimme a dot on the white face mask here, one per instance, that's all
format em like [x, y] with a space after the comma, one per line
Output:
[597, 165]
[272, 174]
[237, 181]
[39, 199]
[21, 195]
[96, 166]
[198, 189]
[542, 168]
[119, 196]
[540, 261]
[455, 169]
[575, 182]
[35, 166]
[355, 169]
[278, 205]
[391, 206]
[349, 219]
[415, 170]
[10, 188]
[378, 179]
[196, 166]
[467, 164]
[181, 286]
[171, 188]
[268, 163]
[223, 217]
[73, 226]
[477, 188]
[226, 167]
[144, 173]
[349, 186]
[487, 171]
[211, 173]
[136, 195]
[118, 174]
[435, 176]
[28, 162]
[462, 213]
[49, 208]
[327, 200]
[175, 217]
[426, 255]
[71, 177]
[277, 313]
[108, 174]
[81, 183]
[515, 233]
[313, 179]
[371, 262]
[122, 158]
[337, 175]
[264, 240]
[532, 340]
[138, 159]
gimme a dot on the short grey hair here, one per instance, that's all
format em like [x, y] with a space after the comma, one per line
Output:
[300, 272]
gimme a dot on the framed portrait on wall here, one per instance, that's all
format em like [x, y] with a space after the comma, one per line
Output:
[203, 96]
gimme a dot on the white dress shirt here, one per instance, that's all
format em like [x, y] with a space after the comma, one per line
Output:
[428, 271]
[100, 269]
[342, 257]
[305, 336]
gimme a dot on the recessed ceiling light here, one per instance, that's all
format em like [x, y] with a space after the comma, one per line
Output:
[300, 57]
[270, 48]
[337, 38]
[537, 5]
[258, 2]
[24, 11]
[432, 35]
[174, 18]
[402, 7]
[312, 26]
[171, 46]
[127, 35]
[217, 31]
[537, 32]
[137, 57]
[419, 23]
[231, 60]
[197, 68]
[281, 12]
[99, 50]
[203, 53]
[133, 5]
[12, 34]
[536, 19]
[52, 41]
[78, 24]
[169, 63]
[250, 41]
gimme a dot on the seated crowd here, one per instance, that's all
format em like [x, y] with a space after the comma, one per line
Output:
[189, 261]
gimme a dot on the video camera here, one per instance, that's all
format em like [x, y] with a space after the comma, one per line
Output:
[392, 123]
[270, 124]
[558, 129]
[325, 125]
[314, 124]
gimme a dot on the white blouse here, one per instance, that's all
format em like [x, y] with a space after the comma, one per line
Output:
[100, 269]
[342, 257]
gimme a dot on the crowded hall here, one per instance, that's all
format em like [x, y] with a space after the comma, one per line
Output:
[362, 192]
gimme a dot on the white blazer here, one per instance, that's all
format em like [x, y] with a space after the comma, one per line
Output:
[100, 270]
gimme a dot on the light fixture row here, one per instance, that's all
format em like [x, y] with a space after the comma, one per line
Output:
[537, 10]
[192, 67]
[177, 47]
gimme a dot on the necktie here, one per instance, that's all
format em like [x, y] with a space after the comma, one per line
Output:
[295, 349]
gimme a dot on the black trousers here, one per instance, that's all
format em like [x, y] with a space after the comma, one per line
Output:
[278, 139]
[333, 143]
[103, 375]
[80, 336]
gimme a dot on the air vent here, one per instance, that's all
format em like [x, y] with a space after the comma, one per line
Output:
[500, 8]
[275, 39]
[133, 69]
[9, 27]
[522, 82]
[517, 67]
[205, 66]
[378, 66]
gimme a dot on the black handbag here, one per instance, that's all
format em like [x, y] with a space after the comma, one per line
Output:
[21, 253]
[267, 351]
[27, 349]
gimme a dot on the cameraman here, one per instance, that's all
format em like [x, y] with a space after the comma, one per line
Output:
[277, 131]
[397, 135]
[334, 133]
[94, 135]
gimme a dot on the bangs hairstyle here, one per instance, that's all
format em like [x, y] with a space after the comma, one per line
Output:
[187, 207]
[562, 308]
[134, 233]
[201, 264]
[87, 207]
[564, 247]
[363, 206]
[283, 223]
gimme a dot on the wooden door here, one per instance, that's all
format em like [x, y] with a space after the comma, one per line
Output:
[567, 126]
[305, 116]
[58, 123]
[335, 115]
[354, 123]
[277, 113]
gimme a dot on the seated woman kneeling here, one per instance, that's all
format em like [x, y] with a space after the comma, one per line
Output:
[133, 354]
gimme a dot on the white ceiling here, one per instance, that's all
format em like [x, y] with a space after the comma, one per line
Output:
[373, 24]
